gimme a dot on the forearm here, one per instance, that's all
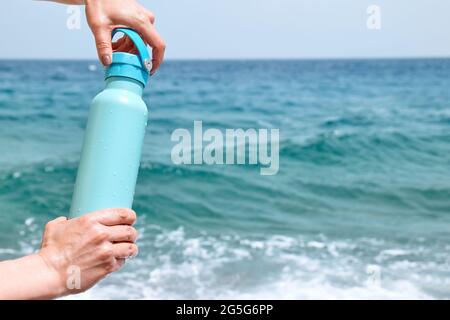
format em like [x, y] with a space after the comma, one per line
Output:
[69, 1]
[29, 278]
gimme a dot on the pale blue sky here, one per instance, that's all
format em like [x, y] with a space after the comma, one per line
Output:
[245, 29]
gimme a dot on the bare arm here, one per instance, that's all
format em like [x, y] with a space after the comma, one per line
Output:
[28, 278]
[69, 1]
[75, 255]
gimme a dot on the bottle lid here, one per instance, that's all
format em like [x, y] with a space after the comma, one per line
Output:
[129, 65]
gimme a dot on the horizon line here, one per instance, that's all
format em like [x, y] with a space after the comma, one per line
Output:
[247, 59]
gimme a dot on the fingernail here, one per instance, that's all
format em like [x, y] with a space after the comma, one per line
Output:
[106, 59]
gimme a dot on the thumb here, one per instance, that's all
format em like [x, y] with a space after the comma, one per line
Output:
[103, 43]
[59, 219]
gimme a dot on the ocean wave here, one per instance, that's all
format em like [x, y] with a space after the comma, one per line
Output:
[180, 190]
[193, 261]
[340, 146]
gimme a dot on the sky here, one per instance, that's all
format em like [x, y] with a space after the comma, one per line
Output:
[244, 29]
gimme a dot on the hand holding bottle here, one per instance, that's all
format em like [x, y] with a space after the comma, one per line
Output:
[90, 247]
[75, 255]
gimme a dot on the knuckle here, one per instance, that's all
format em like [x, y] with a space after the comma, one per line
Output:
[49, 226]
[141, 18]
[129, 233]
[127, 214]
[50, 223]
[98, 23]
[102, 44]
[98, 234]
[161, 45]
[123, 214]
[86, 220]
[106, 252]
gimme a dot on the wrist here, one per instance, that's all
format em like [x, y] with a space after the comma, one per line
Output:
[51, 276]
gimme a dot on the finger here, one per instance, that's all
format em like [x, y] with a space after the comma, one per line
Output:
[131, 48]
[123, 47]
[150, 15]
[112, 217]
[127, 46]
[154, 40]
[102, 37]
[51, 223]
[125, 250]
[60, 219]
[125, 43]
[122, 234]
[117, 44]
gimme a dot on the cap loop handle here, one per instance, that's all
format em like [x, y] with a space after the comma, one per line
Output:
[140, 46]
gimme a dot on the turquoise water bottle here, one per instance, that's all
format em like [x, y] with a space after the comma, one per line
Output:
[114, 135]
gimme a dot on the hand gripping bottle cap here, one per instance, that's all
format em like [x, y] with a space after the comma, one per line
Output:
[130, 65]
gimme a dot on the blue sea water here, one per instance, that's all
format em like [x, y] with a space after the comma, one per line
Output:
[360, 207]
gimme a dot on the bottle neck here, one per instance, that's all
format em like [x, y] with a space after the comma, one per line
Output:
[124, 83]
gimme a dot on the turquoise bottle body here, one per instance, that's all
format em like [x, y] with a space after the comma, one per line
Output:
[112, 147]
[114, 136]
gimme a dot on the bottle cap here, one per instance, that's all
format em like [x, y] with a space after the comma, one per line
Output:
[129, 65]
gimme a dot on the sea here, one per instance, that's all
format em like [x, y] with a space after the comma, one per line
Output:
[359, 208]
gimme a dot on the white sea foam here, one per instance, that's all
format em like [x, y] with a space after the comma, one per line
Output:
[176, 265]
